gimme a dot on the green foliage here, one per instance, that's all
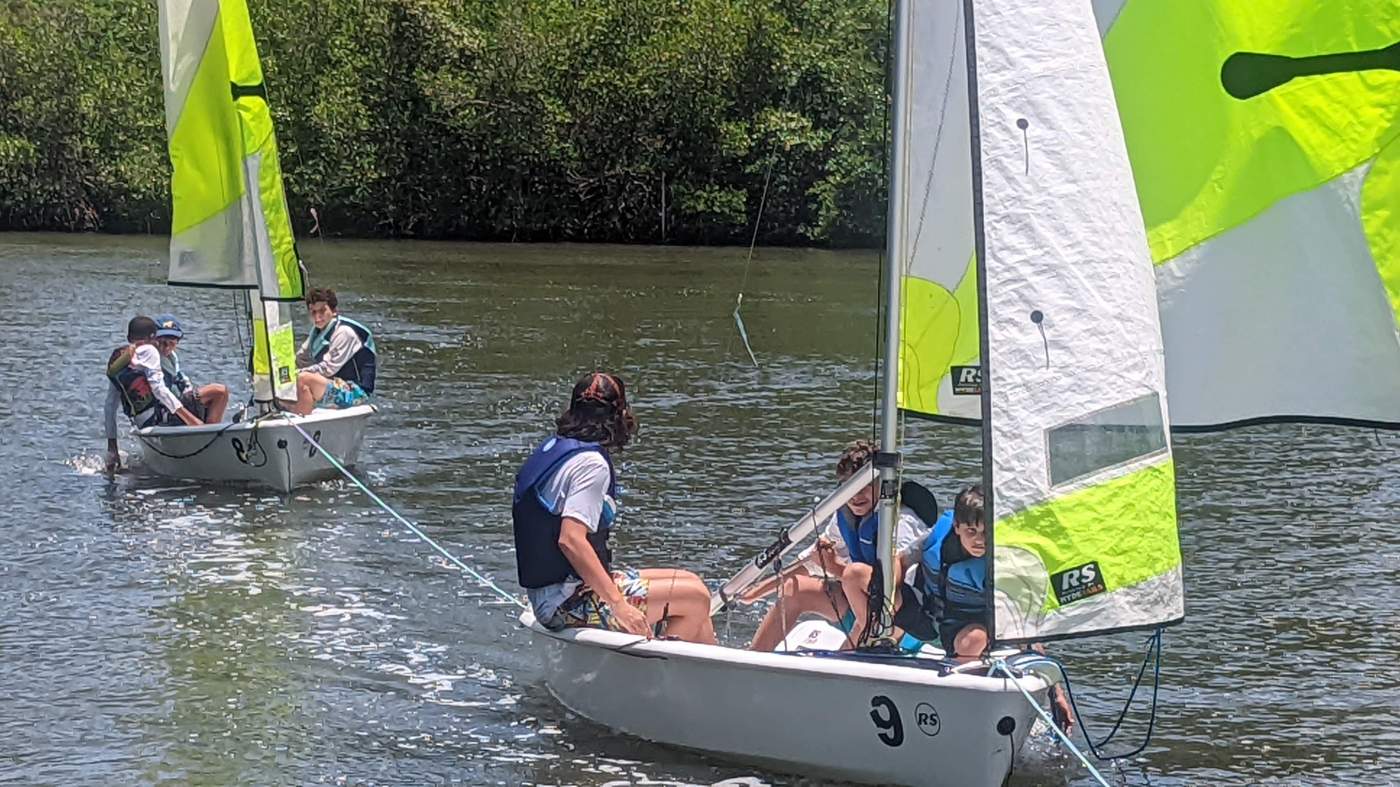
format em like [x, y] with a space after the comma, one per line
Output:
[621, 120]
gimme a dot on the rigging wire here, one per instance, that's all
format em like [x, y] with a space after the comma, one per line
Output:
[484, 580]
[1000, 664]
[748, 264]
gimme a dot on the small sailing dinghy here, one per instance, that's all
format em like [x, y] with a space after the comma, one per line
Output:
[230, 229]
[1077, 465]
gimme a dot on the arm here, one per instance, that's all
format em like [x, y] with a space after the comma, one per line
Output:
[109, 426]
[149, 363]
[573, 542]
[344, 344]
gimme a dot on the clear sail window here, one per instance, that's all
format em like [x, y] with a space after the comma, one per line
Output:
[1109, 437]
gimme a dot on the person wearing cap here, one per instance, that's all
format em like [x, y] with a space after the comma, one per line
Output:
[563, 512]
[207, 402]
[137, 386]
[336, 364]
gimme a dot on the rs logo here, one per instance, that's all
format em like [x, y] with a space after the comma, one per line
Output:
[1075, 577]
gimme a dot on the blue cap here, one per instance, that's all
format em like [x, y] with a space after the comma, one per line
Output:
[167, 325]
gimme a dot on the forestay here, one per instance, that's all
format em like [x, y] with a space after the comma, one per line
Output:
[1263, 137]
[230, 225]
[1083, 499]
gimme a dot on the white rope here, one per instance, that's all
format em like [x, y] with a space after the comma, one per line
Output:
[1000, 663]
[479, 577]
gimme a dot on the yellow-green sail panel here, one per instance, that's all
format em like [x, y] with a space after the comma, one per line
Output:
[230, 226]
[1263, 140]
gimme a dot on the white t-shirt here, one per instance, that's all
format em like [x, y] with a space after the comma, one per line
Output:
[578, 490]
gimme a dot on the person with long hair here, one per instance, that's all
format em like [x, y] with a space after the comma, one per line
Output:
[564, 511]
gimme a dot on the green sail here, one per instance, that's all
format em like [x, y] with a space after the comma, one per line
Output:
[1263, 142]
[230, 225]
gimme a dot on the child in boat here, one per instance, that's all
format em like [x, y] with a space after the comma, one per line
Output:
[835, 582]
[962, 592]
[138, 387]
[337, 362]
[564, 510]
[207, 402]
[962, 588]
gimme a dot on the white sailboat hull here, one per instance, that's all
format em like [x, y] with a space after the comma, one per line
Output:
[857, 720]
[268, 451]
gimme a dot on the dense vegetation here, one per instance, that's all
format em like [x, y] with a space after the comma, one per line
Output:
[626, 120]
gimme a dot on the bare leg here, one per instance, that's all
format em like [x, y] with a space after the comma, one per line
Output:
[799, 594]
[855, 584]
[310, 388]
[970, 643]
[684, 599]
[214, 397]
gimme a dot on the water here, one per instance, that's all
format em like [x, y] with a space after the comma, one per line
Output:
[161, 632]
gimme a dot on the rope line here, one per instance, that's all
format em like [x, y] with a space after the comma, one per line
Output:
[1000, 664]
[484, 580]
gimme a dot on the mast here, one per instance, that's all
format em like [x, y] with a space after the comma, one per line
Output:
[979, 242]
[888, 460]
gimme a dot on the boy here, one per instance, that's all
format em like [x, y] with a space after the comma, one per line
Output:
[207, 402]
[337, 361]
[138, 386]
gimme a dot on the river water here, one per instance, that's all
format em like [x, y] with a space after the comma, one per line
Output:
[154, 631]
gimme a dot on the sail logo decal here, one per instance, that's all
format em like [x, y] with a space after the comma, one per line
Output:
[1076, 583]
[967, 380]
[284, 375]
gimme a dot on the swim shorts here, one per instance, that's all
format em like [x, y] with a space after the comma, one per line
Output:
[341, 394]
[585, 610]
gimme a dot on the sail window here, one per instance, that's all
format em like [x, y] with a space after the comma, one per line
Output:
[1108, 437]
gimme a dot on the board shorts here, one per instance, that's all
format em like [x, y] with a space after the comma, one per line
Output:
[163, 417]
[341, 394]
[585, 610]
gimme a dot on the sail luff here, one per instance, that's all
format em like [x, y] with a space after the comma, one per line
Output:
[979, 234]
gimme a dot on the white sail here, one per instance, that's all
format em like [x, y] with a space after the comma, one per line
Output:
[1268, 189]
[1082, 487]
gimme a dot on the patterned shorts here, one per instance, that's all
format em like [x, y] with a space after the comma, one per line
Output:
[341, 394]
[584, 610]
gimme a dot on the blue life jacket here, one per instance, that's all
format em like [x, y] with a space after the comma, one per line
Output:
[539, 562]
[930, 574]
[360, 369]
[963, 593]
[860, 537]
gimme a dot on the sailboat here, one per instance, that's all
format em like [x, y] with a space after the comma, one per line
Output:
[1076, 457]
[230, 229]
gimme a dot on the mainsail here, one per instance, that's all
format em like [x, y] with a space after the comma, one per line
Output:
[1263, 140]
[1082, 491]
[230, 225]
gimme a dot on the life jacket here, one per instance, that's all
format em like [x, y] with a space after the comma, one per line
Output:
[862, 538]
[929, 576]
[174, 380]
[130, 382]
[360, 369]
[963, 592]
[539, 562]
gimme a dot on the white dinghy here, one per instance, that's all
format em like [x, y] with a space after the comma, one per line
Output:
[268, 450]
[230, 229]
[1076, 462]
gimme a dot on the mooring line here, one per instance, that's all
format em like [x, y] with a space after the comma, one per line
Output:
[478, 576]
[1000, 663]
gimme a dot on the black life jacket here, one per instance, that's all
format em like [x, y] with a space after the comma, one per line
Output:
[360, 369]
[539, 562]
[130, 382]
